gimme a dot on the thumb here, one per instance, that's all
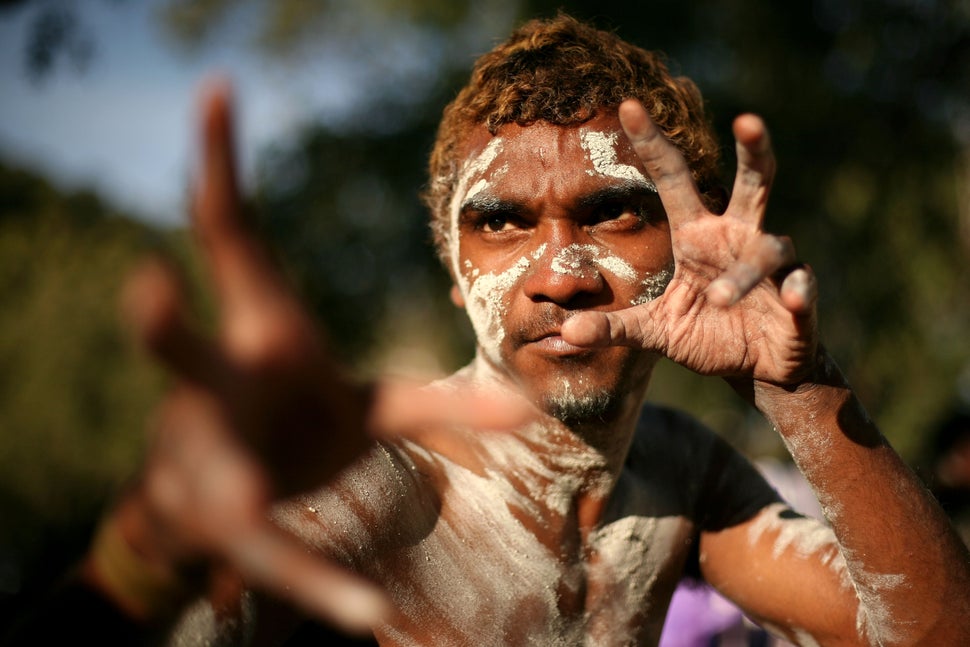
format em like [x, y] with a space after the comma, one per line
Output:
[628, 327]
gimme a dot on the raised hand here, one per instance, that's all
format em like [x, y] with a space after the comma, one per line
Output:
[737, 306]
[258, 413]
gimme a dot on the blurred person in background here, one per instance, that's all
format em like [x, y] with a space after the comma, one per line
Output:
[946, 469]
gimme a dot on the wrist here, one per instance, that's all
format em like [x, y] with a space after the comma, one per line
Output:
[128, 564]
[822, 396]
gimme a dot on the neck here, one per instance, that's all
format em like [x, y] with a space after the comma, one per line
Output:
[600, 442]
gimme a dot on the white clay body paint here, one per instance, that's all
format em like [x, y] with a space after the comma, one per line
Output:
[602, 153]
[810, 538]
[483, 573]
[601, 148]
[472, 167]
[487, 295]
[806, 536]
[804, 639]
[875, 619]
[576, 260]
[486, 300]
[653, 286]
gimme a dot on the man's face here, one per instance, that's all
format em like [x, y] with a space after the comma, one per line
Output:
[547, 221]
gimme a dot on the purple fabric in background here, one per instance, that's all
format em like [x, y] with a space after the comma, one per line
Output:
[697, 614]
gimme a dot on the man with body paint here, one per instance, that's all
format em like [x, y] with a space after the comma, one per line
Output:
[575, 204]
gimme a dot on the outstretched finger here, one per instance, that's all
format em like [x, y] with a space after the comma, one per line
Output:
[664, 164]
[762, 257]
[240, 266]
[279, 564]
[799, 291]
[153, 306]
[402, 408]
[756, 170]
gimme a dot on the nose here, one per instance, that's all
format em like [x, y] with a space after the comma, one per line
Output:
[566, 271]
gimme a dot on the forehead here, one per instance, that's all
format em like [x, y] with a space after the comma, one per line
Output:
[597, 147]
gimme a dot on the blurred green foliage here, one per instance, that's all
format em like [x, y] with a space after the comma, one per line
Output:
[869, 106]
[74, 393]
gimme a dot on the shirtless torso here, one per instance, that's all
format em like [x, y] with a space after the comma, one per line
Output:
[531, 537]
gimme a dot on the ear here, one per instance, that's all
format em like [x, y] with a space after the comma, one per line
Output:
[456, 296]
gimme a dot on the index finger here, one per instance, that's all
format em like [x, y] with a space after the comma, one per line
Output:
[664, 164]
[240, 267]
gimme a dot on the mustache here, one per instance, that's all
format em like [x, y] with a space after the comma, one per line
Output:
[548, 319]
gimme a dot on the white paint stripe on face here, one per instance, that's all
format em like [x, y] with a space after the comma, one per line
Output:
[472, 167]
[576, 260]
[486, 303]
[601, 148]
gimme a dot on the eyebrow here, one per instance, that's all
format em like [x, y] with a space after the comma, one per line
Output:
[616, 193]
[485, 204]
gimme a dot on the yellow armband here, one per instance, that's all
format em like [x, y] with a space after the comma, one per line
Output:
[148, 591]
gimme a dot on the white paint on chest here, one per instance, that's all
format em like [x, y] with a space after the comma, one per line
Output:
[487, 577]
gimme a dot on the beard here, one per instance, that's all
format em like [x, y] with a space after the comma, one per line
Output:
[574, 406]
[588, 389]
[577, 410]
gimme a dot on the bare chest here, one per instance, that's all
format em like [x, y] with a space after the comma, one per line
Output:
[506, 564]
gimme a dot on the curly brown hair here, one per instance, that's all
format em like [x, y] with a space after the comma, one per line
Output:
[563, 71]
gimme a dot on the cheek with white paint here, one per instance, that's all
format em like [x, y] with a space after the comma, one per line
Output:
[653, 285]
[487, 297]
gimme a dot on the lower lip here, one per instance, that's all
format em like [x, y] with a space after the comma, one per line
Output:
[556, 345]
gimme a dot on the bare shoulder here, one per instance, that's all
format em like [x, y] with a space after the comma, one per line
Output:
[372, 504]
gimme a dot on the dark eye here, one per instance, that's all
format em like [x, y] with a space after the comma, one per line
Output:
[614, 211]
[496, 222]
[618, 212]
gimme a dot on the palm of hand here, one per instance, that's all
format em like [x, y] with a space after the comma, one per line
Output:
[262, 411]
[730, 309]
[756, 337]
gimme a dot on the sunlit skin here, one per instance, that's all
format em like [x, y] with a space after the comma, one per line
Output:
[536, 534]
[551, 200]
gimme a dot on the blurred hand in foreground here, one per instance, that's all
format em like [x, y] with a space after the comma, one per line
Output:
[258, 413]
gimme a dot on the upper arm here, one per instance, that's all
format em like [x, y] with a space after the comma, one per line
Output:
[786, 572]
